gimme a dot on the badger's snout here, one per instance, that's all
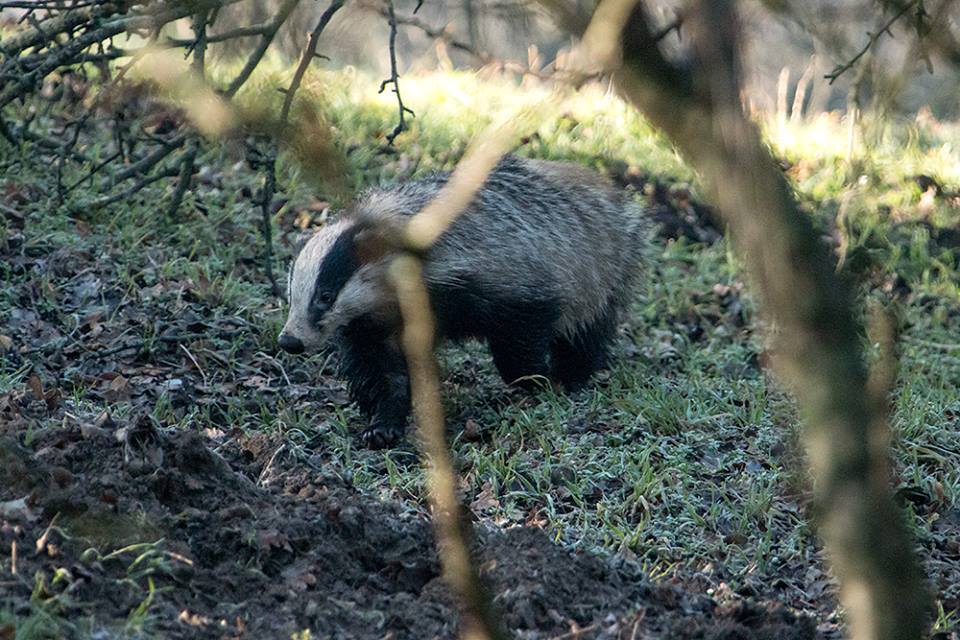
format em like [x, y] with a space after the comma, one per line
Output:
[290, 344]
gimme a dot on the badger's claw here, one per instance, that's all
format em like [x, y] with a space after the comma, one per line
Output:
[381, 437]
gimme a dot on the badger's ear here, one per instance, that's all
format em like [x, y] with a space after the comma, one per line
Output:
[300, 240]
[370, 245]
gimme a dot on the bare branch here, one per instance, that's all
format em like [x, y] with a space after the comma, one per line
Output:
[48, 29]
[306, 57]
[269, 32]
[872, 39]
[269, 163]
[394, 78]
[437, 34]
[23, 132]
[189, 158]
[68, 51]
[132, 190]
[268, 28]
[149, 161]
[452, 526]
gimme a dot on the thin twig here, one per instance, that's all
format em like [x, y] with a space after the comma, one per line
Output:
[261, 29]
[100, 165]
[438, 34]
[24, 133]
[839, 70]
[184, 175]
[394, 78]
[141, 343]
[133, 189]
[146, 163]
[306, 56]
[62, 156]
[269, 158]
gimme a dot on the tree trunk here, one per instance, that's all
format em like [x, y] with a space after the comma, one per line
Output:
[818, 339]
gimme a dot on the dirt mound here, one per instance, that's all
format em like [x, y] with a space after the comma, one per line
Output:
[130, 528]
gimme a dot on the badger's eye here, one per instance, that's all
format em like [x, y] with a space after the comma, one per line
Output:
[326, 297]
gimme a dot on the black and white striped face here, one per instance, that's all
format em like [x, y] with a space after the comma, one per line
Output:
[320, 288]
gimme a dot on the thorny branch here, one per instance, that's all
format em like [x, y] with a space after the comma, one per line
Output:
[394, 78]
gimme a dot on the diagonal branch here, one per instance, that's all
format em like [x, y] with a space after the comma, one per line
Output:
[453, 531]
[267, 32]
[189, 158]
[872, 39]
[308, 54]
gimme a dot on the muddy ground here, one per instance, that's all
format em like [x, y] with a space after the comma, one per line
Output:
[129, 525]
[242, 546]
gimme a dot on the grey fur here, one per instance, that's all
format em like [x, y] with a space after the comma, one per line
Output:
[537, 230]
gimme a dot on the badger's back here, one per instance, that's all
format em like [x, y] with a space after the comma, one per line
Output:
[540, 236]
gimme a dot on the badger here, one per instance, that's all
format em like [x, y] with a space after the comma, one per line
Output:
[540, 265]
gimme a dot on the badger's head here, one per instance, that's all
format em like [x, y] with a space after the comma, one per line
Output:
[336, 278]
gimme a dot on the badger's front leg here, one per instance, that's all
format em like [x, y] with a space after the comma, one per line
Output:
[376, 373]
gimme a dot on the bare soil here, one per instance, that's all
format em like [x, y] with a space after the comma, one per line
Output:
[258, 548]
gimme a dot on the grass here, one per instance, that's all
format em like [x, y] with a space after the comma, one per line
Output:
[683, 456]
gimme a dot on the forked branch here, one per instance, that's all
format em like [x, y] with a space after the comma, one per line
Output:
[394, 79]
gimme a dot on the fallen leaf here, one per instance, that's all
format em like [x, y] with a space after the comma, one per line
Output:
[270, 538]
[36, 387]
[486, 499]
[117, 389]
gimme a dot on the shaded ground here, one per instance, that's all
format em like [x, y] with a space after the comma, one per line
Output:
[136, 523]
[216, 537]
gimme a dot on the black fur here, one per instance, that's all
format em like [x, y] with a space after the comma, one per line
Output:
[517, 331]
[338, 265]
[575, 359]
[376, 374]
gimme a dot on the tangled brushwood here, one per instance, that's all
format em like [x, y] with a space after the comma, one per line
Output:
[70, 68]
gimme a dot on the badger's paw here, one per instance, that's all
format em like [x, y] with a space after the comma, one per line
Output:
[381, 436]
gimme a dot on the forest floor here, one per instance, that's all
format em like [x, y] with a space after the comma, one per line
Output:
[165, 471]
